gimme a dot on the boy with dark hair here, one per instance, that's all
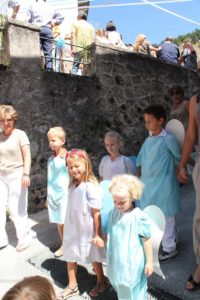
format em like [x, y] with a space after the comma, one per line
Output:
[158, 158]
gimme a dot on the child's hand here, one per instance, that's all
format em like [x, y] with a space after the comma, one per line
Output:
[98, 241]
[148, 270]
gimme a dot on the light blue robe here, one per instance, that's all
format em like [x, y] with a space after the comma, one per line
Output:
[158, 159]
[125, 253]
[57, 189]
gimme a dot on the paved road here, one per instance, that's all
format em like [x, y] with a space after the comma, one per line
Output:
[39, 260]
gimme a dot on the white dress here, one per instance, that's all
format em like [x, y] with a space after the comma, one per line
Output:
[109, 168]
[79, 227]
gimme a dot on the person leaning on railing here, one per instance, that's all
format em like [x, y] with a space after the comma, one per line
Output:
[82, 35]
[42, 15]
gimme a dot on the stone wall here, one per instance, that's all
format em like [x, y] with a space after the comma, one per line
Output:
[120, 86]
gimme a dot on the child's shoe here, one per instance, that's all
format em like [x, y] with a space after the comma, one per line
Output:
[68, 293]
[167, 256]
[59, 252]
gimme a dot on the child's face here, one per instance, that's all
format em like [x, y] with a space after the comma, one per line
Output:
[152, 124]
[122, 201]
[55, 143]
[77, 169]
[112, 146]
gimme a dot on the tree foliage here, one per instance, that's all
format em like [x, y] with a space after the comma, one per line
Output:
[193, 36]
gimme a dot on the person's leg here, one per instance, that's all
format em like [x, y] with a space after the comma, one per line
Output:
[46, 43]
[194, 280]
[59, 252]
[169, 237]
[101, 284]
[72, 270]
[61, 231]
[3, 201]
[72, 288]
[76, 63]
[18, 200]
[168, 241]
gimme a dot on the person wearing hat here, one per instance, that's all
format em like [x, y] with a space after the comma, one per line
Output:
[41, 14]
[82, 36]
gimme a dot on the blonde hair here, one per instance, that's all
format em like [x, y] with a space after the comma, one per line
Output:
[8, 110]
[81, 155]
[116, 136]
[138, 41]
[128, 183]
[59, 132]
[31, 288]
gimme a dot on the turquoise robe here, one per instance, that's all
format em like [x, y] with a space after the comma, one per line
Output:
[158, 159]
[125, 253]
[57, 189]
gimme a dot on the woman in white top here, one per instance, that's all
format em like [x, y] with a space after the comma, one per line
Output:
[15, 162]
[114, 163]
[113, 36]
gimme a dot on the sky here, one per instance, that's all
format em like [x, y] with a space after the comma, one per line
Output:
[152, 21]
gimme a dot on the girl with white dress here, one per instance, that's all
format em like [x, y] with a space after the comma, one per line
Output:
[114, 163]
[82, 228]
[57, 181]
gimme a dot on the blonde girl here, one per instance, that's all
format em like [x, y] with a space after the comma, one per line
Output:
[141, 45]
[82, 230]
[129, 249]
[114, 163]
[57, 181]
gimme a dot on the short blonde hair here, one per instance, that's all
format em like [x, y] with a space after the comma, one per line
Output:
[116, 136]
[8, 110]
[31, 288]
[130, 183]
[58, 132]
[81, 155]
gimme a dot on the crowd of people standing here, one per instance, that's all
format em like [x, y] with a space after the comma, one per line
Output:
[70, 51]
[74, 198]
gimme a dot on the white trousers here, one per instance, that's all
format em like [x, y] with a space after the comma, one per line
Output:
[169, 237]
[13, 194]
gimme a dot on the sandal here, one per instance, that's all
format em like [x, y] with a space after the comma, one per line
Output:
[59, 252]
[68, 293]
[195, 285]
[98, 289]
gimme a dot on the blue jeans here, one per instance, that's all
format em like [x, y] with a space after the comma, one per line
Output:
[46, 45]
[76, 63]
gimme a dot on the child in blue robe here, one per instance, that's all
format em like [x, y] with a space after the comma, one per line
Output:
[158, 159]
[129, 248]
[57, 181]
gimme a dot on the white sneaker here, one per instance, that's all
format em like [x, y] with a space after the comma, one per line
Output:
[23, 246]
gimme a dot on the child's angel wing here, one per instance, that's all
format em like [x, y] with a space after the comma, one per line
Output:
[176, 128]
[157, 221]
[107, 204]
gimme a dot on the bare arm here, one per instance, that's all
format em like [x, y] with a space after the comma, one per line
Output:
[97, 240]
[26, 154]
[189, 141]
[138, 173]
[15, 11]
[148, 249]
